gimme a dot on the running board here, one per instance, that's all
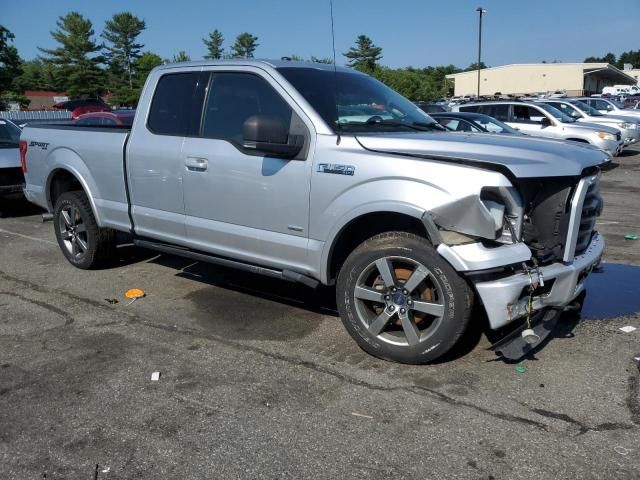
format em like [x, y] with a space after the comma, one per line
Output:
[288, 275]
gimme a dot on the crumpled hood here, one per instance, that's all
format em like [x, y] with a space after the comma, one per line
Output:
[523, 156]
[9, 157]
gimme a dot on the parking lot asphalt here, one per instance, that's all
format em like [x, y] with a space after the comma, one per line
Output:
[258, 378]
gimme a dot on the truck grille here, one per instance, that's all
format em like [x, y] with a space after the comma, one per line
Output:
[586, 206]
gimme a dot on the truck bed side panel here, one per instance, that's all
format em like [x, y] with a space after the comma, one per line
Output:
[93, 155]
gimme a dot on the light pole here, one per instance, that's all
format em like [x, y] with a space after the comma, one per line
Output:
[481, 11]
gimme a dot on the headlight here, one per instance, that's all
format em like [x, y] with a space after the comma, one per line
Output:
[606, 135]
[630, 125]
[505, 207]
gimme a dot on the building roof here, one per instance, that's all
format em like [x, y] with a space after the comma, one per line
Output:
[586, 67]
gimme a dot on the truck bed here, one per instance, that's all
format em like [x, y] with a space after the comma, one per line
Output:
[88, 152]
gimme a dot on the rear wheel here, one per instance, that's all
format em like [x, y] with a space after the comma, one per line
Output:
[84, 244]
[401, 301]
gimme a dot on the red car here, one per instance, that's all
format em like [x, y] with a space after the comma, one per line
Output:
[115, 117]
[79, 107]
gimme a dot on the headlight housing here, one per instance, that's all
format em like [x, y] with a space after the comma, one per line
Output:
[606, 135]
[505, 207]
[630, 125]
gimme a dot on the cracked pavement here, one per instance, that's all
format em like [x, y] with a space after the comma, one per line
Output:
[260, 380]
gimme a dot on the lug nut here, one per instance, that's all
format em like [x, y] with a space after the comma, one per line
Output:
[409, 302]
[405, 292]
[391, 308]
[403, 311]
[394, 289]
[387, 297]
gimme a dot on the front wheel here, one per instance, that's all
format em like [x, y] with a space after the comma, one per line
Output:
[401, 301]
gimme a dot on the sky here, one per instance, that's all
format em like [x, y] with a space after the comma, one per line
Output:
[411, 32]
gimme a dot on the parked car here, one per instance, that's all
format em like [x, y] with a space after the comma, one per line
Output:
[609, 106]
[581, 112]
[82, 106]
[543, 120]
[631, 102]
[472, 122]
[115, 117]
[11, 176]
[258, 165]
[429, 107]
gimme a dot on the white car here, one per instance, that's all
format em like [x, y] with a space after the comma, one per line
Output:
[609, 106]
[581, 112]
[621, 89]
[11, 176]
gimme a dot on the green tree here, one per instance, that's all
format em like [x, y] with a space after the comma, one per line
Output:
[181, 56]
[147, 62]
[214, 45]
[364, 55]
[38, 75]
[76, 56]
[244, 46]
[632, 57]
[122, 49]
[9, 60]
[608, 58]
[474, 66]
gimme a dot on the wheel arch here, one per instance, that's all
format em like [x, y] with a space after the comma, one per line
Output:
[358, 227]
[63, 179]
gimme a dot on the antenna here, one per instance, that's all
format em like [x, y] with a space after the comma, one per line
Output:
[335, 73]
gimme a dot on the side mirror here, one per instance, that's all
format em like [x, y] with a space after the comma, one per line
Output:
[545, 122]
[270, 135]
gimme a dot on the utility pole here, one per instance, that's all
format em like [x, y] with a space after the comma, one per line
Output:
[481, 11]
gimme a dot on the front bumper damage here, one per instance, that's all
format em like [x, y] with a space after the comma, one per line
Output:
[506, 299]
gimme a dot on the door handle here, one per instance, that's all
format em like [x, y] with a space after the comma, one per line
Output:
[196, 164]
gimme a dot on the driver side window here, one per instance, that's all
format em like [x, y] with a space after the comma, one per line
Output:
[233, 98]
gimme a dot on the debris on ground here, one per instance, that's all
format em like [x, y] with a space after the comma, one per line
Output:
[155, 376]
[622, 450]
[134, 294]
[106, 470]
[520, 368]
[628, 329]
[355, 414]
[631, 237]
[111, 301]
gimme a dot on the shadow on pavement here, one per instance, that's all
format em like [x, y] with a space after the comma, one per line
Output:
[18, 208]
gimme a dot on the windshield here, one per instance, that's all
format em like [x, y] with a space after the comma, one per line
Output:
[363, 104]
[557, 114]
[616, 103]
[586, 108]
[494, 126]
[9, 133]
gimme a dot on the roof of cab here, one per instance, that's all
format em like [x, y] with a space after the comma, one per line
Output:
[257, 63]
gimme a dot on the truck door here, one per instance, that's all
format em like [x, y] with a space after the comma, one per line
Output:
[154, 163]
[238, 202]
[531, 120]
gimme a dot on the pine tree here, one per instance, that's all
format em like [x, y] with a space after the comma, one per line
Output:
[245, 45]
[214, 45]
[181, 56]
[122, 49]
[364, 55]
[9, 60]
[76, 56]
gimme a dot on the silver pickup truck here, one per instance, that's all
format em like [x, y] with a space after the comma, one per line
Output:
[314, 175]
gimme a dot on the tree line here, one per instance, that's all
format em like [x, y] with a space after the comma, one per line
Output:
[85, 65]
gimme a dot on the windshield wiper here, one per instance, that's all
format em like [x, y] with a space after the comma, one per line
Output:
[420, 126]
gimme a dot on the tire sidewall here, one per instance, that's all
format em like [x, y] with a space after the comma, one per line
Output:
[455, 292]
[72, 199]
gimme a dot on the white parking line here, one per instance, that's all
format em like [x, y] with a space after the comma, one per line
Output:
[28, 237]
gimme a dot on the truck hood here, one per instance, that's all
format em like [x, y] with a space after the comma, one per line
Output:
[617, 118]
[523, 157]
[590, 126]
[9, 157]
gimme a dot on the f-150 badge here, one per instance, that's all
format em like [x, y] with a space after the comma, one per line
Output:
[336, 168]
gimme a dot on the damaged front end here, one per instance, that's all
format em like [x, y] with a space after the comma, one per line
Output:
[526, 250]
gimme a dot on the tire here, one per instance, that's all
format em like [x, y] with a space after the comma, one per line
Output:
[82, 242]
[412, 311]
